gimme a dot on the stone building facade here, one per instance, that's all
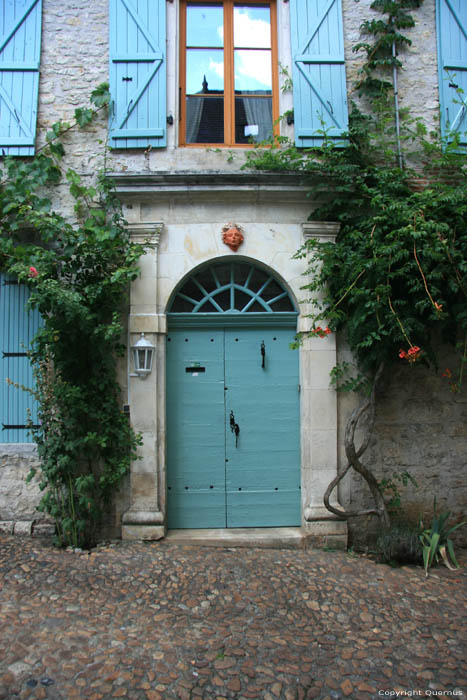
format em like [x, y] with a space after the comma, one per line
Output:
[181, 191]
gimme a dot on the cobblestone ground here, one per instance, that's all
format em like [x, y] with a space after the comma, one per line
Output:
[159, 621]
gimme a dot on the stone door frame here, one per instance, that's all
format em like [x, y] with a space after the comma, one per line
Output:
[146, 517]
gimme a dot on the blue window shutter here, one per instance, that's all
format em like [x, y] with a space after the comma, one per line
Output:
[20, 48]
[18, 326]
[137, 74]
[319, 85]
[452, 62]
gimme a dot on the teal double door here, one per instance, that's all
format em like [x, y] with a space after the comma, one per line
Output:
[233, 444]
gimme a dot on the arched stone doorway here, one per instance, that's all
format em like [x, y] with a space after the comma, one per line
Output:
[233, 418]
[164, 270]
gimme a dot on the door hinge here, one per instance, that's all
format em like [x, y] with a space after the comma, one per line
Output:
[5, 426]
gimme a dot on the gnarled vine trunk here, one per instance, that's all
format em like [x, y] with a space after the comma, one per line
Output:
[366, 406]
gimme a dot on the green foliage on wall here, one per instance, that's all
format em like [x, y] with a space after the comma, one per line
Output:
[79, 269]
[396, 278]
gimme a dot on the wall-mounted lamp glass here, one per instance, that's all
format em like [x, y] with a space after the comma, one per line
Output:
[143, 353]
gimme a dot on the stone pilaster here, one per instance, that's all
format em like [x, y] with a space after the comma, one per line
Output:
[319, 416]
[145, 517]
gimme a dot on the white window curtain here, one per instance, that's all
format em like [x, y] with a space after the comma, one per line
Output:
[258, 112]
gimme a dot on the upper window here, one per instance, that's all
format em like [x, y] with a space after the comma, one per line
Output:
[228, 72]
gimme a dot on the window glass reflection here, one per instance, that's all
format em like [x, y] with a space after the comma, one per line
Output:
[204, 71]
[204, 25]
[252, 27]
[253, 71]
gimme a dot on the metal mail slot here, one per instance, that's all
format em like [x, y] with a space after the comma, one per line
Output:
[195, 369]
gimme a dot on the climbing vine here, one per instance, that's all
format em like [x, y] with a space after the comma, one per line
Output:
[395, 282]
[78, 269]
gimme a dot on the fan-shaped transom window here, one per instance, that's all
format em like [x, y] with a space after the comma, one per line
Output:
[235, 287]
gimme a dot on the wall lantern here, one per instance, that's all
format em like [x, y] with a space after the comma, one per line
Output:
[143, 353]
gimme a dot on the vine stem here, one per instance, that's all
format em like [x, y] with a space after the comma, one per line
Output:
[423, 277]
[362, 272]
[399, 322]
[347, 291]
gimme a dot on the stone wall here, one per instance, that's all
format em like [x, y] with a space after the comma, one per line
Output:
[418, 76]
[18, 497]
[75, 60]
[420, 428]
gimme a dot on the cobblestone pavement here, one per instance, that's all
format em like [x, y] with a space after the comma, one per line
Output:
[160, 621]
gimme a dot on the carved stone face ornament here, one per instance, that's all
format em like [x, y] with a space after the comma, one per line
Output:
[232, 236]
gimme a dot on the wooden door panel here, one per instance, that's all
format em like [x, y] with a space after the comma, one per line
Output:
[195, 429]
[263, 464]
[214, 478]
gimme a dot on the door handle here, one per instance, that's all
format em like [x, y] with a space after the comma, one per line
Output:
[234, 427]
[263, 354]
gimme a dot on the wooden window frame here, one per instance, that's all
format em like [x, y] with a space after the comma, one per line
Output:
[229, 91]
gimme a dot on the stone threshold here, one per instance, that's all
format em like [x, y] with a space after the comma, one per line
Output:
[264, 537]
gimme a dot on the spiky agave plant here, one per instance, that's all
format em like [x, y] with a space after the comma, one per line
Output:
[436, 542]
